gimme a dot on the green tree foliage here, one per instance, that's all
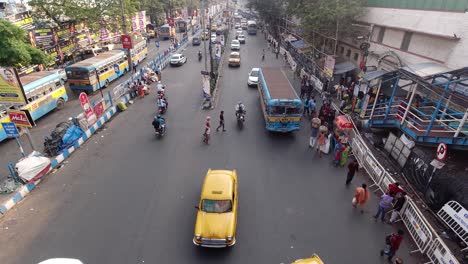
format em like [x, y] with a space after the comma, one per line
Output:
[15, 48]
[325, 16]
[271, 11]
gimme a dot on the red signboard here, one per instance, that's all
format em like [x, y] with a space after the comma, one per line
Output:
[99, 108]
[21, 118]
[88, 110]
[126, 41]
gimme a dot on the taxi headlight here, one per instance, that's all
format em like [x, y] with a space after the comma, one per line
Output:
[197, 237]
[229, 238]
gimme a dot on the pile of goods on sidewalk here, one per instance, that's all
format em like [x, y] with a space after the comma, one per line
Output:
[32, 167]
[62, 137]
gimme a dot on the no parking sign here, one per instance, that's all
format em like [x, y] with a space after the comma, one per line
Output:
[441, 153]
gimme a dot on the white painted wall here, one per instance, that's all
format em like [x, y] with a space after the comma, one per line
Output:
[454, 53]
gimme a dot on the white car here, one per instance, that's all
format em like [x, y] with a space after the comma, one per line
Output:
[213, 37]
[239, 32]
[178, 59]
[241, 39]
[237, 25]
[235, 44]
[253, 77]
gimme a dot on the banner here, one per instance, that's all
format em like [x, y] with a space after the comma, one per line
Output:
[206, 85]
[44, 37]
[11, 91]
[22, 20]
[329, 66]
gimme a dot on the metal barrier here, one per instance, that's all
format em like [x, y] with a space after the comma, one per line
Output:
[419, 229]
[438, 253]
[456, 217]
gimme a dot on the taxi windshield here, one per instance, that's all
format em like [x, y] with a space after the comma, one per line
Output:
[234, 56]
[216, 206]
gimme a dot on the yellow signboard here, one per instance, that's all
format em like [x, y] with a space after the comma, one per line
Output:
[10, 87]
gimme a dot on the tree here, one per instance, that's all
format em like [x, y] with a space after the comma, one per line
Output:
[331, 18]
[272, 11]
[16, 50]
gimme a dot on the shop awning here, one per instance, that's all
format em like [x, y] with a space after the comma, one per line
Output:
[344, 67]
[298, 44]
[426, 69]
[371, 75]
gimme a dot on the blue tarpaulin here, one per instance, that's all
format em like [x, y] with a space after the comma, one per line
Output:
[71, 136]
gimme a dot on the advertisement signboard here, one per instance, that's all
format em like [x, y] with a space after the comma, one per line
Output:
[44, 37]
[11, 91]
[88, 110]
[126, 41]
[22, 20]
[329, 65]
[21, 118]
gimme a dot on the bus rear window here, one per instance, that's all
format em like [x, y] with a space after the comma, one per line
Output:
[77, 75]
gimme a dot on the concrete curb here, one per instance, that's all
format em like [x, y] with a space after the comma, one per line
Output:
[26, 189]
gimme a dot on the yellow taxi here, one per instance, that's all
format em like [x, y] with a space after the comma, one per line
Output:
[214, 28]
[205, 35]
[234, 59]
[217, 210]
[315, 259]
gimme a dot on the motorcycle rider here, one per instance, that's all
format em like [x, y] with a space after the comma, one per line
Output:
[158, 122]
[199, 55]
[240, 109]
[162, 104]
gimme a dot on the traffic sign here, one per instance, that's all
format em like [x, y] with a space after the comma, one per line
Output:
[10, 129]
[441, 153]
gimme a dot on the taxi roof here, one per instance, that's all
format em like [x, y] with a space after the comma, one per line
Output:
[218, 185]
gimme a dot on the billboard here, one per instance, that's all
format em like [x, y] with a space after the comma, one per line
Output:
[11, 91]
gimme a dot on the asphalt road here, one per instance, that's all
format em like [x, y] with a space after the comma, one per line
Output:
[45, 125]
[127, 197]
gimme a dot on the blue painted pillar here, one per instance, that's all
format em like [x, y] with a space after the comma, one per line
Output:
[390, 102]
[436, 111]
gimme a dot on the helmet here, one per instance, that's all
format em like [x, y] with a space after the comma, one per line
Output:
[208, 118]
[159, 116]
[239, 103]
[159, 81]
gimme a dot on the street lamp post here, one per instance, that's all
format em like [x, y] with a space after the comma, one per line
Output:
[203, 12]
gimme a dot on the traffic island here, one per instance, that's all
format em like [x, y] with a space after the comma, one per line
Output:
[55, 163]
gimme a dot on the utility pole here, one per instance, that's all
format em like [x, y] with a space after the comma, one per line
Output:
[211, 51]
[124, 28]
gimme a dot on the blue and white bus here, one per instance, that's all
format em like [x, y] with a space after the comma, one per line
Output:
[44, 92]
[252, 27]
[281, 107]
[105, 67]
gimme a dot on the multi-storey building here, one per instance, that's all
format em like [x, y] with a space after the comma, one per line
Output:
[412, 32]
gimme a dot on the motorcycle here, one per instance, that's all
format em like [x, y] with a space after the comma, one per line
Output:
[240, 120]
[161, 131]
[199, 56]
[162, 107]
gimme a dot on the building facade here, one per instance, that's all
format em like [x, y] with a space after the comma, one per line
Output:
[410, 32]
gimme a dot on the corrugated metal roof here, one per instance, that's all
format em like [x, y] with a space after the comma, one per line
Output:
[278, 85]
